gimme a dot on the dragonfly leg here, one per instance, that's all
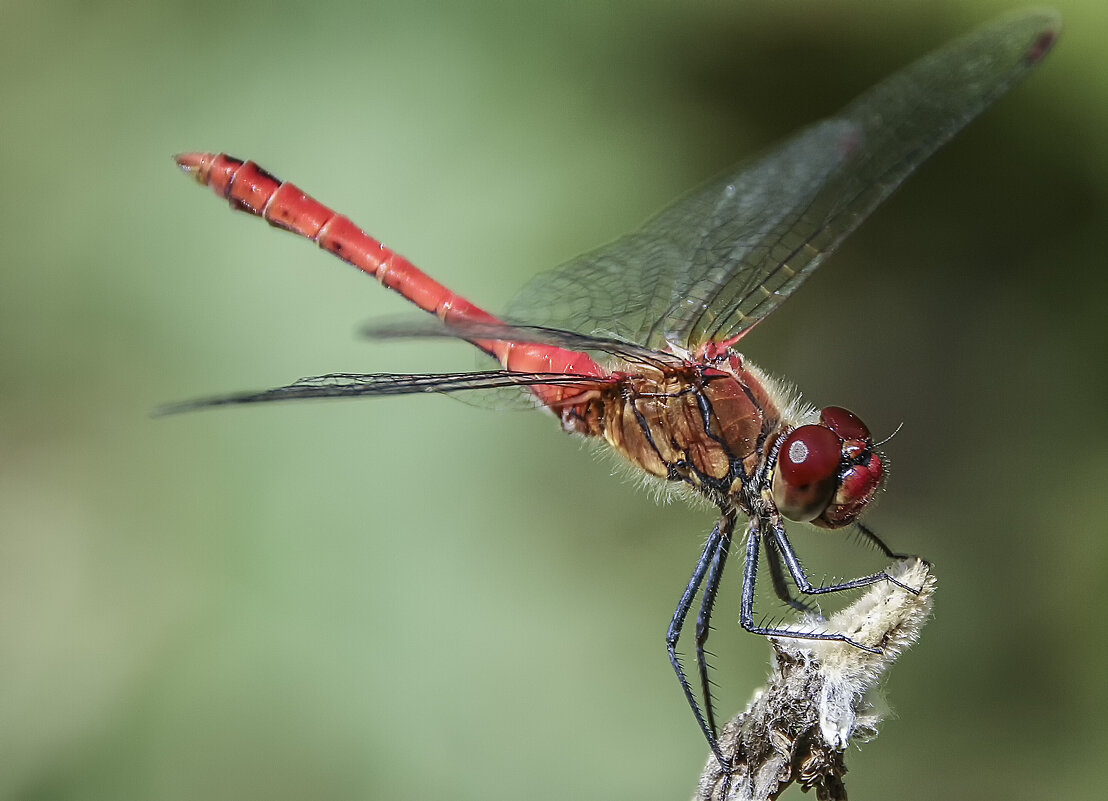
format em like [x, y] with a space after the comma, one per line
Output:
[792, 561]
[871, 536]
[750, 575]
[720, 537]
[777, 574]
[704, 625]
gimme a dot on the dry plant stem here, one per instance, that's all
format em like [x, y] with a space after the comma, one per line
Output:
[797, 728]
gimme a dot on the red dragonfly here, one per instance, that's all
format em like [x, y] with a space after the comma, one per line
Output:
[634, 343]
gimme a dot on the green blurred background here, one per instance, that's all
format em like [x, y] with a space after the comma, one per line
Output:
[415, 598]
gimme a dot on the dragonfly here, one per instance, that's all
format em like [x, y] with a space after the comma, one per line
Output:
[634, 344]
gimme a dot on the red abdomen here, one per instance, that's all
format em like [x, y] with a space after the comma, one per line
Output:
[249, 188]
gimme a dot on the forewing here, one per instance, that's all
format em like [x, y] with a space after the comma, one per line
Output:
[425, 327]
[721, 259]
[640, 287]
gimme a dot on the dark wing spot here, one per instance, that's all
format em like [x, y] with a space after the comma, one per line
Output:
[1041, 47]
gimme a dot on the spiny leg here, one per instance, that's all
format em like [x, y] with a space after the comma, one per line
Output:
[871, 536]
[674, 634]
[792, 561]
[750, 576]
[704, 623]
[777, 574]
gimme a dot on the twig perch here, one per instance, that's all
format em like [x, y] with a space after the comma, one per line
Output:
[797, 727]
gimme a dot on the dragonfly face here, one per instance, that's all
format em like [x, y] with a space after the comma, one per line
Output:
[827, 472]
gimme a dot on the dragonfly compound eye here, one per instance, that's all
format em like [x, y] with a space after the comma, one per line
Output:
[844, 423]
[807, 472]
[827, 473]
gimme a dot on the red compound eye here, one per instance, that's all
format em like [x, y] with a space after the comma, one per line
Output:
[845, 424]
[809, 455]
[807, 472]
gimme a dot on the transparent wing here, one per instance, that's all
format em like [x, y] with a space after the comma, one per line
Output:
[424, 327]
[719, 260]
[350, 385]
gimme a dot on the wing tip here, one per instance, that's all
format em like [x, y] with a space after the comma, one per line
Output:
[1048, 29]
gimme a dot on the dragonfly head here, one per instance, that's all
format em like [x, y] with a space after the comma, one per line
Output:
[827, 472]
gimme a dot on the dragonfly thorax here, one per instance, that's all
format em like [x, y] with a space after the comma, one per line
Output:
[710, 425]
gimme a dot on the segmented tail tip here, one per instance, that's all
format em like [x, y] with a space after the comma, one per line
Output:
[195, 164]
